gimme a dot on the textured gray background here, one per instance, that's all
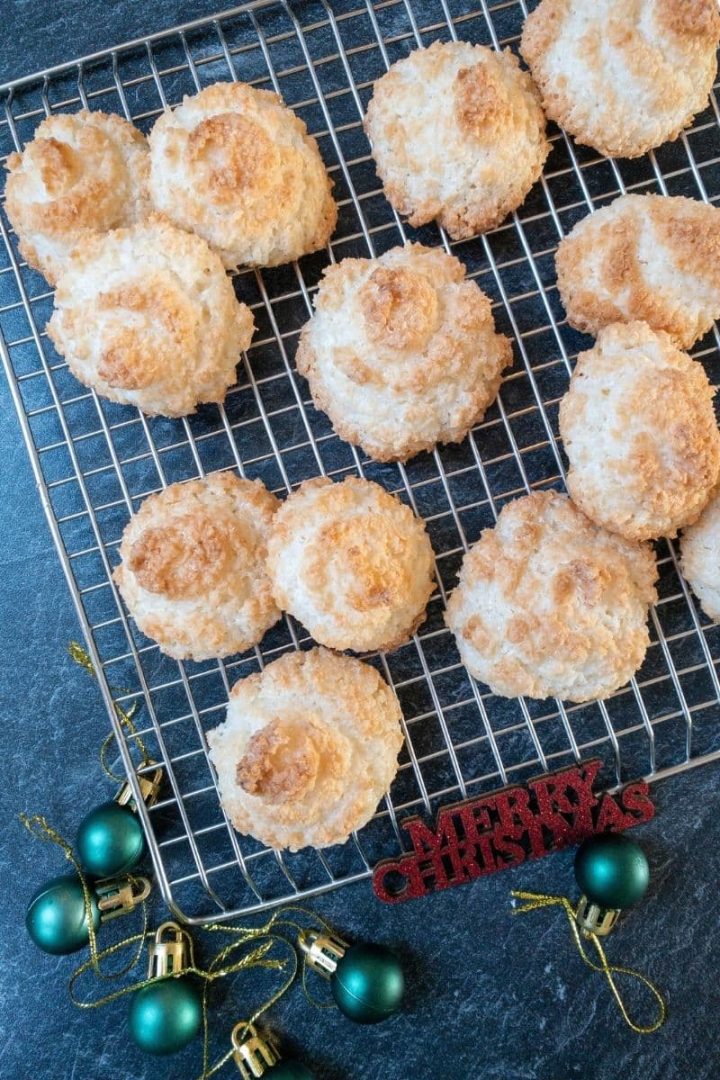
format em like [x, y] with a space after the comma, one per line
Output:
[490, 996]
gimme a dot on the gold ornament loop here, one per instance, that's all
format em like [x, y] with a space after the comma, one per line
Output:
[170, 957]
[149, 789]
[321, 952]
[253, 1054]
[535, 901]
[119, 896]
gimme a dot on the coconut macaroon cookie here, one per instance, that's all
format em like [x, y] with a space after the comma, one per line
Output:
[402, 351]
[551, 605]
[649, 257]
[193, 567]
[238, 167]
[352, 563]
[640, 433]
[83, 172]
[457, 134]
[308, 749]
[623, 76]
[147, 316]
[700, 550]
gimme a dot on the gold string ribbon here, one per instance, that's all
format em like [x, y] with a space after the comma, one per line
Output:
[264, 937]
[79, 655]
[535, 901]
[269, 930]
[219, 967]
[279, 918]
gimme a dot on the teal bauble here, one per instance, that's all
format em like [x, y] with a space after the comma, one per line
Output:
[55, 917]
[110, 841]
[288, 1070]
[368, 984]
[165, 1015]
[612, 870]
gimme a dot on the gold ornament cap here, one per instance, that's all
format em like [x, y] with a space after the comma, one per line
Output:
[169, 957]
[594, 919]
[118, 896]
[322, 952]
[253, 1055]
[149, 789]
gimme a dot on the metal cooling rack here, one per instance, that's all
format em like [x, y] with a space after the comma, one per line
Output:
[94, 461]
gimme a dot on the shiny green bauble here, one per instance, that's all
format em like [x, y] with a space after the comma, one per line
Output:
[110, 841]
[55, 917]
[165, 1015]
[368, 984]
[612, 870]
[288, 1070]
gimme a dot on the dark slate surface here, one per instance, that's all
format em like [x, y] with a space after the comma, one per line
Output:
[490, 996]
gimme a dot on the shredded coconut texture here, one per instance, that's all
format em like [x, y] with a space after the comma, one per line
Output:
[402, 352]
[237, 166]
[700, 549]
[457, 134]
[623, 76]
[193, 567]
[308, 749]
[640, 433]
[551, 605]
[654, 258]
[83, 172]
[352, 563]
[147, 316]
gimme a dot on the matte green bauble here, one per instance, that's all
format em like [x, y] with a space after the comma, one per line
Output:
[612, 870]
[288, 1070]
[110, 841]
[55, 917]
[165, 1015]
[368, 984]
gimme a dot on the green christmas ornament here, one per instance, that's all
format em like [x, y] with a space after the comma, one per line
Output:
[612, 871]
[367, 981]
[110, 841]
[56, 916]
[166, 1014]
[369, 984]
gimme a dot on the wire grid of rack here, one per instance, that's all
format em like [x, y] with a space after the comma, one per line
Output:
[94, 461]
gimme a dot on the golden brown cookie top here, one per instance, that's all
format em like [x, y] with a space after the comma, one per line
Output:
[237, 166]
[352, 563]
[640, 433]
[652, 258]
[550, 604]
[147, 316]
[457, 134]
[309, 747]
[82, 172]
[192, 569]
[623, 76]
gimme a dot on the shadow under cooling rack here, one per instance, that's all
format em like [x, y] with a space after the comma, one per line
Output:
[95, 461]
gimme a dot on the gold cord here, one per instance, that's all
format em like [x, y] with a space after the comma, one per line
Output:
[264, 938]
[535, 901]
[80, 656]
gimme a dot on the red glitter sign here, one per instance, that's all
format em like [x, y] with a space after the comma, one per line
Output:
[505, 828]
